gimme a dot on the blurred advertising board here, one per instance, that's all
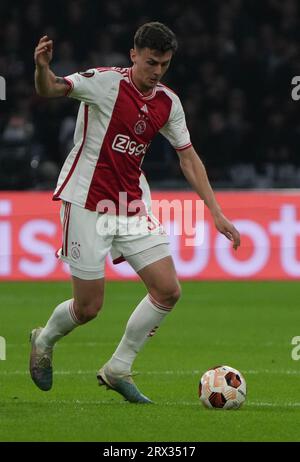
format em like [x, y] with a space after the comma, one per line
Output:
[269, 223]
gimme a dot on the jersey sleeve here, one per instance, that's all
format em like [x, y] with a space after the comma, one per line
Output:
[89, 86]
[175, 130]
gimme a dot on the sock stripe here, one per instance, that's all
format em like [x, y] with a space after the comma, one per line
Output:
[159, 305]
[72, 313]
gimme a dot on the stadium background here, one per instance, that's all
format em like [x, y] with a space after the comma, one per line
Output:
[233, 72]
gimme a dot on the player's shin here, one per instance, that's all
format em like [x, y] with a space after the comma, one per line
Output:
[62, 321]
[141, 325]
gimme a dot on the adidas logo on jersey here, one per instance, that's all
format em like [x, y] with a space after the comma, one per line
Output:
[144, 109]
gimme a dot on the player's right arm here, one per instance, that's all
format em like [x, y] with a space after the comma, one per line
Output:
[46, 82]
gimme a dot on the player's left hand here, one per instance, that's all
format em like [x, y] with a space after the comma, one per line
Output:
[225, 227]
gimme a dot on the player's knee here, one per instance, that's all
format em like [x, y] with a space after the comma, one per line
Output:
[167, 296]
[86, 311]
[174, 295]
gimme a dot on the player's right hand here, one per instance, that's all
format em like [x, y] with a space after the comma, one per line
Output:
[43, 52]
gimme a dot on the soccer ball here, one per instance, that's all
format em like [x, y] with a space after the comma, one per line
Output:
[222, 387]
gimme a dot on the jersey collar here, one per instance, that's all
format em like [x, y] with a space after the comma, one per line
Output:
[152, 94]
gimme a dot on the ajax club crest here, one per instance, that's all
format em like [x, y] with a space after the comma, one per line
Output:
[140, 127]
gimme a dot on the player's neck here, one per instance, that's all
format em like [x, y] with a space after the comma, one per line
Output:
[137, 83]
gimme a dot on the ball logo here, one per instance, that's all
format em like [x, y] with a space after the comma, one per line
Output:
[140, 127]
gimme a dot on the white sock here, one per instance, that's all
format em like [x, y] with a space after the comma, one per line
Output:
[62, 321]
[141, 325]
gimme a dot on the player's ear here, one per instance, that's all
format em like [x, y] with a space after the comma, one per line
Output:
[133, 55]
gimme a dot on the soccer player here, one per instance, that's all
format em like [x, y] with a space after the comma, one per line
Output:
[121, 110]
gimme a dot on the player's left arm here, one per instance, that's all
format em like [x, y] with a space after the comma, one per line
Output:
[195, 172]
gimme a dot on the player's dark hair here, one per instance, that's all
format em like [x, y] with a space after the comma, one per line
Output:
[156, 36]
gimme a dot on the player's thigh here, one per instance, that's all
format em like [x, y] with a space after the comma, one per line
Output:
[88, 292]
[159, 276]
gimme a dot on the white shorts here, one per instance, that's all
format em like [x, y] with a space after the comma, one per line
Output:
[89, 236]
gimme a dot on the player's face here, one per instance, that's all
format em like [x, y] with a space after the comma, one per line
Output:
[149, 66]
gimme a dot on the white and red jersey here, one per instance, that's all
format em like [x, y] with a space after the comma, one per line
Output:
[115, 126]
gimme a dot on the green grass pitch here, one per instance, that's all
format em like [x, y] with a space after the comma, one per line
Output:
[246, 325]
